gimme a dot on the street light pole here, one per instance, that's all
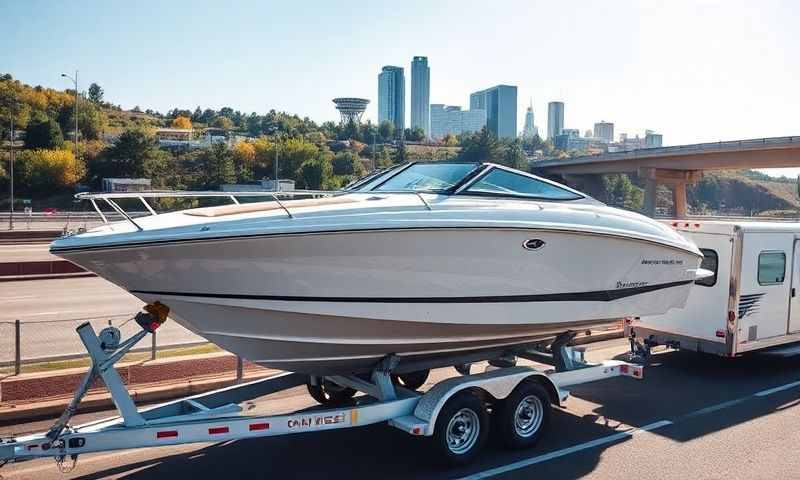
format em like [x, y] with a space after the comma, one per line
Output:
[75, 80]
[11, 169]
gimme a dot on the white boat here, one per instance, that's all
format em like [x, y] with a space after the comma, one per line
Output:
[422, 261]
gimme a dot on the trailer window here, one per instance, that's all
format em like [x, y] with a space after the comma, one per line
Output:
[710, 262]
[771, 268]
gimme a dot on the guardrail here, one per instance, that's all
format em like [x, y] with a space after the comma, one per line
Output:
[28, 342]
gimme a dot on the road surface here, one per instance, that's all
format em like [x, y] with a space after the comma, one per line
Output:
[692, 417]
[50, 310]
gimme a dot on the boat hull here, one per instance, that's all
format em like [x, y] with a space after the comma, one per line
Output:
[336, 302]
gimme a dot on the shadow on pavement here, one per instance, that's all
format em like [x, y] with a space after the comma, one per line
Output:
[677, 385]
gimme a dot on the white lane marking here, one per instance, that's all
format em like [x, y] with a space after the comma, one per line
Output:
[568, 451]
[770, 391]
[622, 435]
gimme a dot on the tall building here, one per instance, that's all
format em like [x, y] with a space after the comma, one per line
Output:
[500, 104]
[652, 139]
[555, 119]
[392, 97]
[421, 94]
[451, 119]
[604, 130]
[529, 130]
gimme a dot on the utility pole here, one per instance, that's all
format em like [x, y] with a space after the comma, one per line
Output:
[11, 167]
[277, 145]
[75, 80]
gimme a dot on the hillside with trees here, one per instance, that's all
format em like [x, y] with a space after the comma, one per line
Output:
[114, 142]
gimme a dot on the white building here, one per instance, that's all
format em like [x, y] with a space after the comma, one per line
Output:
[451, 119]
[529, 130]
[604, 130]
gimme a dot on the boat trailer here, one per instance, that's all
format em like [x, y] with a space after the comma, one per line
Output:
[453, 413]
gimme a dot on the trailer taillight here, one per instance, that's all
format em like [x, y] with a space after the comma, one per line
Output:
[721, 333]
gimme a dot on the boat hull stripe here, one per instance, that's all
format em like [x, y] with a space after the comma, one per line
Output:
[596, 296]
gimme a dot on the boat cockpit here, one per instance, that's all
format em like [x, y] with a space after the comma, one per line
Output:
[463, 178]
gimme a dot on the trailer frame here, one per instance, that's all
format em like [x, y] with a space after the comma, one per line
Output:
[218, 416]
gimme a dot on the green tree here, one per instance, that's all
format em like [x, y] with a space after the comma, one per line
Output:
[386, 131]
[415, 134]
[135, 154]
[481, 146]
[621, 192]
[95, 93]
[316, 172]
[217, 166]
[514, 156]
[348, 163]
[43, 132]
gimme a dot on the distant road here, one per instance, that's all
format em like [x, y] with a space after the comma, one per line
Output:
[51, 310]
[26, 252]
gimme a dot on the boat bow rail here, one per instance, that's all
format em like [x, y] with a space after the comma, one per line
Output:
[112, 199]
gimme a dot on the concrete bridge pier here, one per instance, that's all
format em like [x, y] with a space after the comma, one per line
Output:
[675, 179]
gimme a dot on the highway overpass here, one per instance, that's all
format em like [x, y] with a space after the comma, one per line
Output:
[679, 165]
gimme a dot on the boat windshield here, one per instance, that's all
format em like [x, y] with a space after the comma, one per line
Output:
[371, 179]
[428, 177]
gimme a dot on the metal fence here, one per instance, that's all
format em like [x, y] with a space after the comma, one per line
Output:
[26, 342]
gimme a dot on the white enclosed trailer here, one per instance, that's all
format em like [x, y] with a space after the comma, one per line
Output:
[749, 304]
[454, 413]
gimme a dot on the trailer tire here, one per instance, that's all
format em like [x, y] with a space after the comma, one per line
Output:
[411, 380]
[461, 429]
[522, 417]
[329, 394]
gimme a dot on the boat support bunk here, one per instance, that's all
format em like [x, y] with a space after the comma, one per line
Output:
[453, 413]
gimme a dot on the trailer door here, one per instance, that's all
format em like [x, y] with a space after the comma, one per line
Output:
[794, 293]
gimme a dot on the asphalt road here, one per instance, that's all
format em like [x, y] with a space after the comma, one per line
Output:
[692, 416]
[51, 310]
[26, 252]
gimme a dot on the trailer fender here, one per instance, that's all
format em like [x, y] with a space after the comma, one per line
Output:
[497, 383]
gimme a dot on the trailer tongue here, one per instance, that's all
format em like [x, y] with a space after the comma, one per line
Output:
[453, 413]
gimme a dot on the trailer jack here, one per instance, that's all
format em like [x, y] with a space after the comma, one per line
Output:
[104, 351]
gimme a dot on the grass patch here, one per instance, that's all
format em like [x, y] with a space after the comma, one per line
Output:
[131, 357]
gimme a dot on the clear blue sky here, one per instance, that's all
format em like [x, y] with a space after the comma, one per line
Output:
[694, 71]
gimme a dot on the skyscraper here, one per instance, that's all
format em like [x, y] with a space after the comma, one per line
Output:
[604, 130]
[451, 119]
[555, 119]
[421, 94]
[392, 97]
[500, 104]
[529, 130]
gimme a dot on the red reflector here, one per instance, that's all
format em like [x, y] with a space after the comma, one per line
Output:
[167, 434]
[623, 369]
[216, 430]
[721, 333]
[416, 430]
[674, 224]
[686, 224]
[697, 225]
[154, 326]
[731, 316]
[259, 426]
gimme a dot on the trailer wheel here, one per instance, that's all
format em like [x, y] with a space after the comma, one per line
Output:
[521, 418]
[411, 380]
[461, 429]
[328, 393]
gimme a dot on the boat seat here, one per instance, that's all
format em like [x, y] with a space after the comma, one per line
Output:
[224, 210]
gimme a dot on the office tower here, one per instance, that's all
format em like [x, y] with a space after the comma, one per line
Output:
[500, 104]
[555, 119]
[421, 94]
[392, 97]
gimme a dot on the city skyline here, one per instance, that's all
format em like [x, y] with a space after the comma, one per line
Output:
[650, 79]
